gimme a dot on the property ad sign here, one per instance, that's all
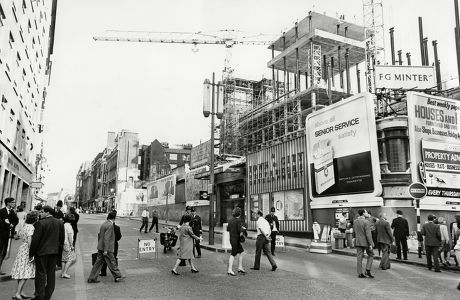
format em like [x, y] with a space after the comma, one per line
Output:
[161, 191]
[434, 139]
[405, 77]
[200, 155]
[342, 154]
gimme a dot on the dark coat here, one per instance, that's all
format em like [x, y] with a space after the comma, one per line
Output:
[75, 222]
[384, 234]
[432, 234]
[48, 237]
[400, 228]
[118, 236]
[195, 223]
[106, 237]
[5, 229]
[272, 219]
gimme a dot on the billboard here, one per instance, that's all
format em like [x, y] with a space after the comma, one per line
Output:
[342, 154]
[195, 188]
[434, 140]
[200, 155]
[405, 77]
[161, 191]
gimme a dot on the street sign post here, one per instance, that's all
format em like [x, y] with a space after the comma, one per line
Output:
[417, 191]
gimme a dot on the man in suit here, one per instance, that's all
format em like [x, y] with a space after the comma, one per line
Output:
[432, 235]
[363, 242]
[45, 248]
[154, 220]
[195, 223]
[384, 239]
[105, 251]
[263, 236]
[118, 236]
[400, 232]
[274, 226]
[8, 220]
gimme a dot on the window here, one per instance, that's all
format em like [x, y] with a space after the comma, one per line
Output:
[173, 156]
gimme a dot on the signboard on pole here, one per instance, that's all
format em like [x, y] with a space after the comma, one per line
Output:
[405, 77]
[434, 139]
[147, 246]
[417, 190]
[342, 154]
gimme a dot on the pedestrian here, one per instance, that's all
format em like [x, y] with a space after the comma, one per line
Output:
[188, 211]
[445, 242]
[8, 220]
[384, 239]
[454, 232]
[117, 232]
[400, 228]
[74, 224]
[457, 242]
[343, 222]
[432, 235]
[195, 224]
[263, 237]
[154, 221]
[372, 220]
[236, 229]
[45, 248]
[186, 244]
[22, 219]
[68, 252]
[145, 220]
[363, 243]
[105, 251]
[24, 269]
[58, 213]
[274, 227]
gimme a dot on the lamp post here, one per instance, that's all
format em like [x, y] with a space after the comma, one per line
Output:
[112, 199]
[209, 108]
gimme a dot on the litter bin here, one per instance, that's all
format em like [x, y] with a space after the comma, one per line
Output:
[339, 240]
[225, 237]
[349, 235]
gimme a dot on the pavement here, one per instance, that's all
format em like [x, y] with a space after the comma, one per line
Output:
[300, 274]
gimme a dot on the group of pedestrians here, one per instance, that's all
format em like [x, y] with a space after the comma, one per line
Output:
[47, 238]
[145, 220]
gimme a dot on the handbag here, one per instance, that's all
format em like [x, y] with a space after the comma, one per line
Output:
[393, 248]
[242, 238]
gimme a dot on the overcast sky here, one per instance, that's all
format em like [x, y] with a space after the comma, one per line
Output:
[156, 89]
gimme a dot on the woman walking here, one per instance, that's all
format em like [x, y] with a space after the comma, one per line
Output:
[445, 242]
[237, 230]
[23, 269]
[186, 237]
[68, 253]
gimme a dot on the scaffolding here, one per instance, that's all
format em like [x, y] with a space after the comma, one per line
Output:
[310, 57]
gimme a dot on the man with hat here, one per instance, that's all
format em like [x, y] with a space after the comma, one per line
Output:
[195, 223]
[274, 226]
[188, 211]
[432, 235]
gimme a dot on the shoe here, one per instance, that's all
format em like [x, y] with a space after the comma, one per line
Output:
[198, 256]
[93, 281]
[405, 258]
[361, 275]
[241, 271]
[145, 231]
[119, 279]
[103, 274]
[256, 269]
[447, 263]
[174, 272]
[437, 271]
[231, 273]
[368, 274]
[458, 286]
[273, 254]
[65, 276]
[25, 297]
[2, 273]
[429, 268]
[383, 268]
[398, 258]
[194, 270]
[274, 268]
[17, 298]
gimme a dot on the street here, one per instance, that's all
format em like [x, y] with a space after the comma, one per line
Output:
[301, 275]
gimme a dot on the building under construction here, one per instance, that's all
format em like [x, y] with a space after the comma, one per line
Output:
[312, 65]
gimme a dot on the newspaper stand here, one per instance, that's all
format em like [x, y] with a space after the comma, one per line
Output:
[279, 243]
[148, 246]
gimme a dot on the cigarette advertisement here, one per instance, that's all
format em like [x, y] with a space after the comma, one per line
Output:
[342, 154]
[434, 140]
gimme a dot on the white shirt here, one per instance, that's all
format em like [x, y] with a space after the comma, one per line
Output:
[263, 225]
[145, 214]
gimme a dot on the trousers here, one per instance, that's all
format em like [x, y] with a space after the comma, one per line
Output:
[401, 243]
[45, 278]
[385, 262]
[273, 241]
[145, 223]
[154, 222]
[262, 245]
[432, 251]
[111, 262]
[359, 258]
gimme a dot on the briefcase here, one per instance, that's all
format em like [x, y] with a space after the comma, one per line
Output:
[93, 258]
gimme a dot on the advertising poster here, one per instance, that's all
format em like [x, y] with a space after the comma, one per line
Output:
[161, 191]
[434, 139]
[293, 205]
[265, 203]
[342, 154]
[405, 77]
[194, 187]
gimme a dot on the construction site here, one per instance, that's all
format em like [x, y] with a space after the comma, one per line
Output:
[311, 67]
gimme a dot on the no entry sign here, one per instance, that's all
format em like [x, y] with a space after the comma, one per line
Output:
[417, 190]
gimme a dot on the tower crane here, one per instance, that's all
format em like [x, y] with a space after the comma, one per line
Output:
[226, 37]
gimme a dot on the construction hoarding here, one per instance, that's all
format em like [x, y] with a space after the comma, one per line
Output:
[342, 153]
[161, 191]
[434, 140]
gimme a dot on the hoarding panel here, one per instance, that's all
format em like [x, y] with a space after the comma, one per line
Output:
[343, 164]
[161, 191]
[405, 77]
[434, 140]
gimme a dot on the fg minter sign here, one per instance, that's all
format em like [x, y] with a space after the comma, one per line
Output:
[405, 77]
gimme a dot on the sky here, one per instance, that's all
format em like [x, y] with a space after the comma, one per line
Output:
[156, 89]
